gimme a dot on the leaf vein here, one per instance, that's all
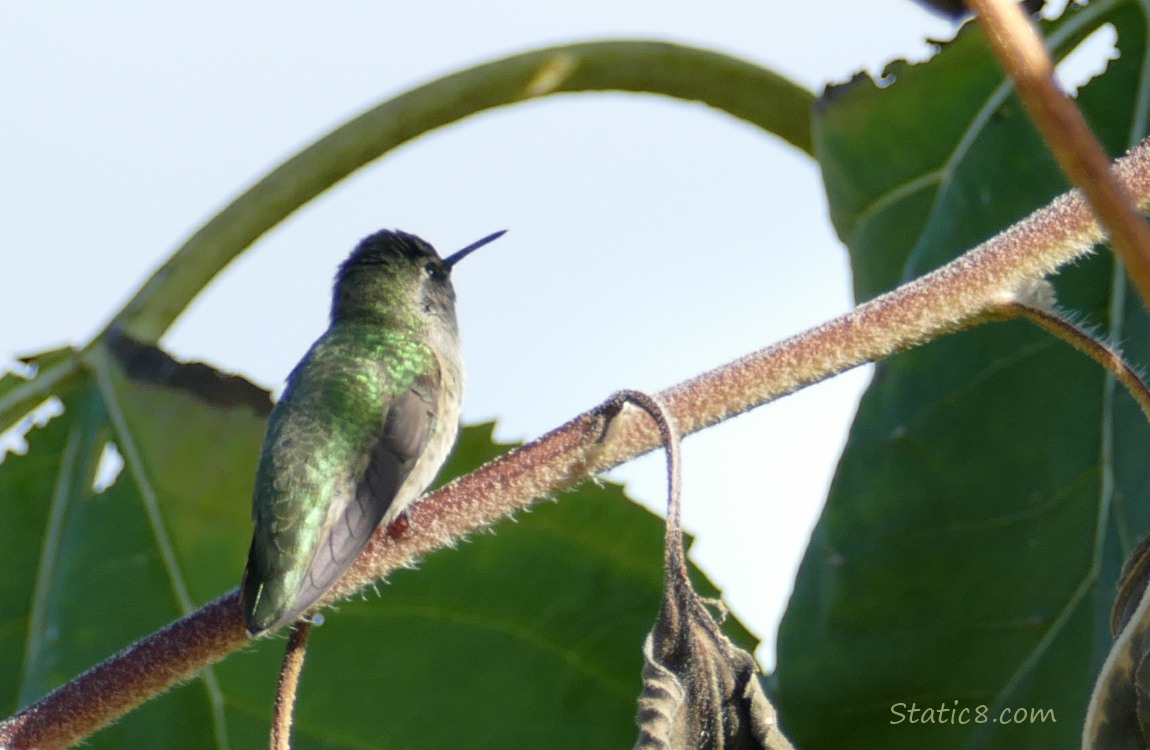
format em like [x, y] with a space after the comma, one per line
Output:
[134, 462]
[49, 552]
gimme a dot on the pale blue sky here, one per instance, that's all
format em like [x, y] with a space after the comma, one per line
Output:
[127, 124]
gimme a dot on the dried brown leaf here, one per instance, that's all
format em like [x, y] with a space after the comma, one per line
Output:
[699, 689]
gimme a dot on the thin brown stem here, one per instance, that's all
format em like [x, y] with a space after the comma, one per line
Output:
[664, 420]
[288, 685]
[970, 288]
[1089, 344]
[1021, 52]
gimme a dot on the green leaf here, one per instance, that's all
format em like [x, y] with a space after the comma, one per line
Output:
[85, 573]
[993, 481]
[527, 637]
[20, 394]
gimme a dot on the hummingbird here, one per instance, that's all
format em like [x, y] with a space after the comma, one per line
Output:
[367, 419]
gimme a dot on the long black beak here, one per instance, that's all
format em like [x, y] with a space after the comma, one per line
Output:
[458, 256]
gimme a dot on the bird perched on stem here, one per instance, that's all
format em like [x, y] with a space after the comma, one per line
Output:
[368, 417]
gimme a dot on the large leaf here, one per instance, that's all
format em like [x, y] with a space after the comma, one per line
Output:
[993, 481]
[529, 637]
[87, 572]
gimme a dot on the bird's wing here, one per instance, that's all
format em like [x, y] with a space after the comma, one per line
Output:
[406, 428]
[404, 431]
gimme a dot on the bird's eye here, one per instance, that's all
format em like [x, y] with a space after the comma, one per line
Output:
[433, 271]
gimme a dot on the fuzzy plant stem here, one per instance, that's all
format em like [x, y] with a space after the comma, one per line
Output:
[288, 685]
